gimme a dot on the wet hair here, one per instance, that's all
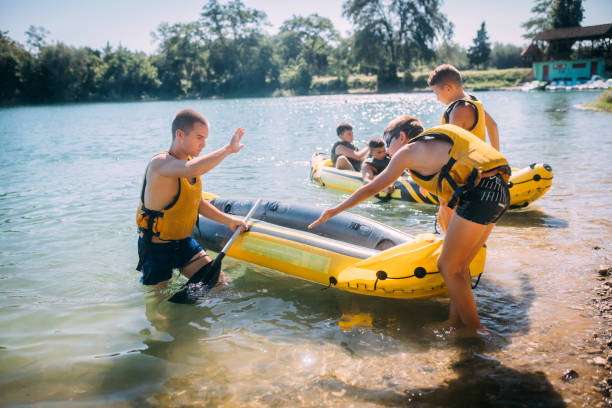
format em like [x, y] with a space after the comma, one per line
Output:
[443, 74]
[342, 127]
[405, 123]
[185, 119]
[376, 142]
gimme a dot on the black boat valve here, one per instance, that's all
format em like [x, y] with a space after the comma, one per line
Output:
[420, 272]
[381, 275]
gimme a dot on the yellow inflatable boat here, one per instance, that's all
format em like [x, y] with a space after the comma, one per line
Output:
[526, 184]
[348, 252]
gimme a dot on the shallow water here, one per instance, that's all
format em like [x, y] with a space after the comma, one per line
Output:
[78, 329]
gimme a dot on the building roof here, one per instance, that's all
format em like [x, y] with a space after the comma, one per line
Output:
[576, 33]
[531, 51]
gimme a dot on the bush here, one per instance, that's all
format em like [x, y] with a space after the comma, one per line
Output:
[605, 97]
[505, 56]
[368, 82]
[420, 79]
[329, 84]
[495, 78]
[408, 80]
[297, 78]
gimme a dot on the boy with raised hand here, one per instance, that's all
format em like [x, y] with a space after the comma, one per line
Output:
[465, 172]
[463, 110]
[171, 199]
[344, 154]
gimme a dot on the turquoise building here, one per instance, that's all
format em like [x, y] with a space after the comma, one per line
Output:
[567, 70]
[570, 54]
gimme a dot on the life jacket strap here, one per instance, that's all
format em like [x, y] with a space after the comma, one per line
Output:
[458, 192]
[147, 235]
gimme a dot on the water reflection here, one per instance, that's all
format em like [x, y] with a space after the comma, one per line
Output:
[556, 109]
[531, 217]
[252, 317]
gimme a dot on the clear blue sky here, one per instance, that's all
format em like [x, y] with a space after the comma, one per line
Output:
[130, 22]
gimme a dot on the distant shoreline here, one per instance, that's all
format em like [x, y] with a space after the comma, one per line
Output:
[484, 80]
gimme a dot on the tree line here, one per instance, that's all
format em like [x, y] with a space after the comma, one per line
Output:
[226, 52]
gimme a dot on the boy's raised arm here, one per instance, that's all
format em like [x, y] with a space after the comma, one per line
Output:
[171, 167]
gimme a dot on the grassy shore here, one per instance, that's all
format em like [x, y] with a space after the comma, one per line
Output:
[477, 80]
[604, 102]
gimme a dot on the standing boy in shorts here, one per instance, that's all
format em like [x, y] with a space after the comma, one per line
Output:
[171, 199]
[463, 110]
[464, 171]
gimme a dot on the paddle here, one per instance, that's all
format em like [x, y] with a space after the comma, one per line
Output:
[206, 278]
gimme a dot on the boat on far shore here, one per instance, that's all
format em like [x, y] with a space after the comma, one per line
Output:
[568, 84]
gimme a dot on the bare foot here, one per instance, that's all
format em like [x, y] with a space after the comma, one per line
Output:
[470, 332]
[223, 282]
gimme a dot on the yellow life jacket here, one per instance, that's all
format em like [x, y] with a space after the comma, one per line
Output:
[478, 128]
[470, 159]
[178, 219]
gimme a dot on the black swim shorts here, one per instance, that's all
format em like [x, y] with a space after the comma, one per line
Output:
[162, 258]
[486, 203]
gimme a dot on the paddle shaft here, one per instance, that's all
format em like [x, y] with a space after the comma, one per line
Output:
[239, 230]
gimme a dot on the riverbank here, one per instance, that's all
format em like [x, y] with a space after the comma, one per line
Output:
[476, 80]
[472, 79]
[598, 348]
[603, 103]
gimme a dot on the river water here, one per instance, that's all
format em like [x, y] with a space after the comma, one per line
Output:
[78, 329]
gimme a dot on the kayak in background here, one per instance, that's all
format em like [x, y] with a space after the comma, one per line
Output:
[526, 185]
[348, 252]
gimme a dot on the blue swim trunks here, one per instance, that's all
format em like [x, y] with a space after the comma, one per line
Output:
[162, 258]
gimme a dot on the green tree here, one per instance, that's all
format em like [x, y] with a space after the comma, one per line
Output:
[59, 74]
[342, 59]
[128, 75]
[506, 55]
[296, 77]
[315, 34]
[451, 53]
[36, 37]
[182, 62]
[13, 59]
[289, 46]
[540, 20]
[232, 20]
[564, 13]
[479, 52]
[240, 60]
[390, 34]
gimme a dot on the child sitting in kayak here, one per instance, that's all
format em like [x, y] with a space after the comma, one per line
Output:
[344, 154]
[376, 163]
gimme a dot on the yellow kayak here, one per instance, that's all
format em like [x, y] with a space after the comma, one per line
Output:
[526, 184]
[348, 252]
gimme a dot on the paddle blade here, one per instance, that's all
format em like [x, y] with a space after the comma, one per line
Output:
[200, 283]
